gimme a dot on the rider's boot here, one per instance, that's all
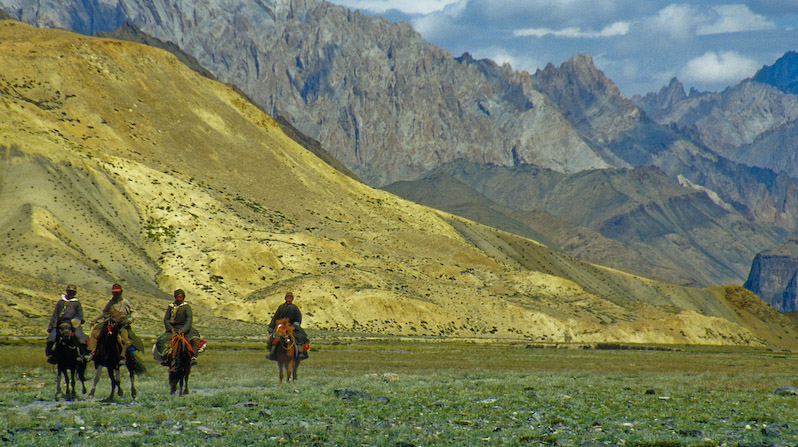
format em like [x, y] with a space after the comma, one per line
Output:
[48, 352]
[84, 355]
[272, 353]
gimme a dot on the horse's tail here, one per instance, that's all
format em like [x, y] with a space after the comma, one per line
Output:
[135, 365]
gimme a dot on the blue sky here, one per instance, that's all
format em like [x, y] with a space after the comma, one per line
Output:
[639, 44]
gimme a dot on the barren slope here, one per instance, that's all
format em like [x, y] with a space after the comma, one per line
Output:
[120, 164]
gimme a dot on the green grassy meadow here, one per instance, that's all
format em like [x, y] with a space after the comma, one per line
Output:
[422, 393]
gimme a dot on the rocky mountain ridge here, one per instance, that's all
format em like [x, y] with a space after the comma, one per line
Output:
[748, 123]
[419, 108]
[783, 74]
[101, 183]
[639, 208]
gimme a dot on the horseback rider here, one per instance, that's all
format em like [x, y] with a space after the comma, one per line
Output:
[179, 319]
[117, 311]
[67, 310]
[291, 311]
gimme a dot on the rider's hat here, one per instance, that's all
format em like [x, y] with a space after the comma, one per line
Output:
[72, 288]
[116, 288]
[289, 294]
[179, 292]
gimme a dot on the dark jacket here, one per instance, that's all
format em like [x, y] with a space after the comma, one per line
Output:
[289, 311]
[65, 311]
[179, 317]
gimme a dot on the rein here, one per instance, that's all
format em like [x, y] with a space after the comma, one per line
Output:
[286, 340]
[176, 341]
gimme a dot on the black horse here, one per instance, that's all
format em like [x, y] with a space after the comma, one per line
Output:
[108, 354]
[69, 362]
[179, 361]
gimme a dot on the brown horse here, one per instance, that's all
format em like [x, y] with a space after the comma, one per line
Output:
[179, 360]
[285, 350]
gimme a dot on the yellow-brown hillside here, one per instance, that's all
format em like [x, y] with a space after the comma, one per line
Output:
[118, 164]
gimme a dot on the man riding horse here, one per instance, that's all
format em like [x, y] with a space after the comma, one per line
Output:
[118, 312]
[179, 319]
[67, 310]
[291, 311]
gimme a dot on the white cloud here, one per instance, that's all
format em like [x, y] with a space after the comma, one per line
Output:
[714, 68]
[615, 29]
[676, 21]
[405, 6]
[732, 19]
[432, 26]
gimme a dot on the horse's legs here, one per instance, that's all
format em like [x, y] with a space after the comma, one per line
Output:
[96, 379]
[173, 382]
[185, 381]
[296, 366]
[71, 390]
[132, 384]
[118, 377]
[82, 375]
[280, 365]
[58, 383]
[113, 375]
[289, 370]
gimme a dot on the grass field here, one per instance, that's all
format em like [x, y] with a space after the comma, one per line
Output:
[423, 393]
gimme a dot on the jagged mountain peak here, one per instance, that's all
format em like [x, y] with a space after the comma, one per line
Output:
[783, 74]
[588, 99]
[583, 75]
[667, 96]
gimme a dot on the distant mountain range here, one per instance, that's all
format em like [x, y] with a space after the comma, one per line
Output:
[392, 107]
[120, 164]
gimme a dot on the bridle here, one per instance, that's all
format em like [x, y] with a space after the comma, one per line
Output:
[65, 338]
[286, 339]
[177, 340]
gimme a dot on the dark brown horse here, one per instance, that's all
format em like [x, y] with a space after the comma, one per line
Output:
[108, 354]
[179, 360]
[69, 362]
[285, 350]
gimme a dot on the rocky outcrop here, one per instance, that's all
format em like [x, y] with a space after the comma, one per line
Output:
[773, 276]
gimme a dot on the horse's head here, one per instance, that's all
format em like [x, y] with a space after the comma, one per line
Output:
[65, 330]
[283, 329]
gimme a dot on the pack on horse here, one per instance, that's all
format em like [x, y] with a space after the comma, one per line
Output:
[178, 356]
[108, 354]
[285, 350]
[69, 361]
